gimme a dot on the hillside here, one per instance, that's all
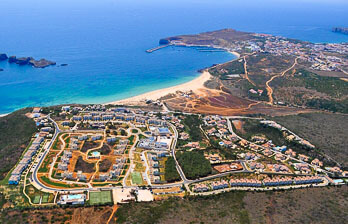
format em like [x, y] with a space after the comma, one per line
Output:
[15, 132]
[325, 130]
[315, 205]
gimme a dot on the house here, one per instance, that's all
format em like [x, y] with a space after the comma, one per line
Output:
[219, 185]
[77, 118]
[308, 180]
[66, 108]
[87, 117]
[103, 177]
[36, 110]
[124, 142]
[303, 168]
[65, 159]
[130, 118]
[74, 146]
[303, 157]
[279, 157]
[150, 143]
[82, 137]
[156, 122]
[256, 166]
[46, 129]
[200, 188]
[25, 161]
[111, 139]
[34, 147]
[19, 169]
[162, 131]
[267, 152]
[29, 154]
[107, 117]
[38, 141]
[66, 123]
[67, 154]
[67, 174]
[250, 156]
[62, 166]
[81, 176]
[290, 153]
[96, 137]
[317, 162]
[192, 145]
[277, 181]
[244, 182]
[96, 118]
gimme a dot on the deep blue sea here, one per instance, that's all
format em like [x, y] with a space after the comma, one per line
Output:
[104, 42]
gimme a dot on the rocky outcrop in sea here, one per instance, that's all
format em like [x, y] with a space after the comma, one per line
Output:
[343, 30]
[42, 63]
[3, 57]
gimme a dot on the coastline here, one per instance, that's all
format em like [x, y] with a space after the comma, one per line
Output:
[193, 85]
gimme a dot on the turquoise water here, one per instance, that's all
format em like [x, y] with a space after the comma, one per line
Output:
[104, 43]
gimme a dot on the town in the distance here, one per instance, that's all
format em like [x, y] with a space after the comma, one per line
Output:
[105, 154]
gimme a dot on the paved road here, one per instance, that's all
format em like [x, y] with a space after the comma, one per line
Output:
[178, 167]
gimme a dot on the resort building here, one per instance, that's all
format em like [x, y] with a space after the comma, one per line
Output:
[72, 199]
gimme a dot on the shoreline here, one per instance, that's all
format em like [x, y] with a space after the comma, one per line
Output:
[193, 85]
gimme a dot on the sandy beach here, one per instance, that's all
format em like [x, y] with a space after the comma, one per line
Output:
[194, 85]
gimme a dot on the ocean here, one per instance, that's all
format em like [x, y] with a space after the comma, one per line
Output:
[104, 42]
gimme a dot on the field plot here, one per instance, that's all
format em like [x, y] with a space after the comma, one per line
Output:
[45, 198]
[36, 199]
[101, 197]
[136, 178]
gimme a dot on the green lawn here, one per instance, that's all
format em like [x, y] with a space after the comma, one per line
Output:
[136, 178]
[36, 199]
[101, 197]
[45, 198]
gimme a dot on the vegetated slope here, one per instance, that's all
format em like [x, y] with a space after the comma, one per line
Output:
[311, 205]
[15, 132]
[308, 89]
[82, 215]
[326, 131]
[221, 208]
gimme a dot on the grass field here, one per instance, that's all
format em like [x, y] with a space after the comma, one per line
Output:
[36, 199]
[101, 197]
[136, 178]
[45, 198]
